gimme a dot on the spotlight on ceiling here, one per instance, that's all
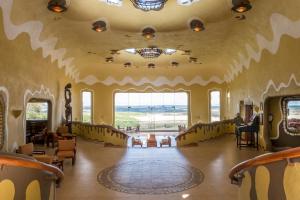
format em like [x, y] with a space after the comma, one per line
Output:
[196, 25]
[241, 6]
[151, 66]
[193, 60]
[99, 26]
[174, 64]
[128, 64]
[148, 33]
[57, 6]
[109, 59]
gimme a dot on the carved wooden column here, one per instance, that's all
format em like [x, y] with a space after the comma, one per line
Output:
[68, 107]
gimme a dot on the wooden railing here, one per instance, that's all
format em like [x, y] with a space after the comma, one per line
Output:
[204, 131]
[104, 133]
[18, 161]
[268, 158]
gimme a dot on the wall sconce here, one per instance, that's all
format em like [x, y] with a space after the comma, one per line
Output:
[16, 113]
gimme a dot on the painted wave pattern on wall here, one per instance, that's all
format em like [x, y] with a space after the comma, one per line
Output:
[160, 81]
[280, 86]
[34, 30]
[281, 25]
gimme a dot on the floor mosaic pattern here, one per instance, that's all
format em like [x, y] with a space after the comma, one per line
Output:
[150, 177]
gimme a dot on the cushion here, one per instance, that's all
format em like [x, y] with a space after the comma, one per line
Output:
[65, 154]
[26, 149]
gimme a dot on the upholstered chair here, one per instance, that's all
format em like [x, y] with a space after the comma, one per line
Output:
[66, 149]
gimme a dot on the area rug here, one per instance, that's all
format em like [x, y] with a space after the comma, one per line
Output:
[150, 177]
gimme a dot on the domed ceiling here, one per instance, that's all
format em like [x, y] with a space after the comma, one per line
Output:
[106, 57]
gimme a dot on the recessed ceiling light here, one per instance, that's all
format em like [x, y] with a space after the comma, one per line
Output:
[151, 66]
[131, 50]
[113, 2]
[174, 64]
[109, 59]
[170, 51]
[193, 60]
[148, 33]
[57, 6]
[99, 26]
[196, 25]
[241, 6]
[128, 64]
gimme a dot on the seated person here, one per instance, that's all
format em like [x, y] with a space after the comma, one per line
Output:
[238, 121]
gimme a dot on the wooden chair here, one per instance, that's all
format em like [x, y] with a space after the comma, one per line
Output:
[66, 149]
[28, 149]
[136, 142]
[166, 142]
[40, 138]
[151, 141]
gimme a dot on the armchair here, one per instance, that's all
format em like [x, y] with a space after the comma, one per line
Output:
[136, 142]
[166, 142]
[66, 149]
[151, 141]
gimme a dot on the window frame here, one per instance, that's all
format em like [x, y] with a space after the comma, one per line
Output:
[285, 115]
[187, 92]
[210, 106]
[3, 116]
[92, 105]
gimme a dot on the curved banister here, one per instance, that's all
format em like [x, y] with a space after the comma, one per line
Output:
[102, 126]
[18, 161]
[195, 126]
[262, 160]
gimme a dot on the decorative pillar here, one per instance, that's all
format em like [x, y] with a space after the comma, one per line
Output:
[68, 107]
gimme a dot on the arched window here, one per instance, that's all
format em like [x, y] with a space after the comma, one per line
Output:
[87, 106]
[2, 122]
[215, 105]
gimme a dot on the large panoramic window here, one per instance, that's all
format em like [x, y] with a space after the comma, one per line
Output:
[37, 111]
[86, 115]
[215, 108]
[151, 111]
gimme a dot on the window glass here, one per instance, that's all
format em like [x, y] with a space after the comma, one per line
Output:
[37, 111]
[87, 107]
[151, 111]
[293, 115]
[215, 108]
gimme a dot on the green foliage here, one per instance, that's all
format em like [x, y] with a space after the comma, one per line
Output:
[37, 111]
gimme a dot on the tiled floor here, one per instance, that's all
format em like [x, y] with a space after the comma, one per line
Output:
[214, 158]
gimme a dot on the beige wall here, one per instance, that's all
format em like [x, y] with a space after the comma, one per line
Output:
[104, 103]
[24, 74]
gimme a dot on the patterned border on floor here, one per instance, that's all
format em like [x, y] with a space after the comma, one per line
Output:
[121, 177]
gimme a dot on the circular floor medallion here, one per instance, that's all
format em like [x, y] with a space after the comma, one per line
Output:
[150, 177]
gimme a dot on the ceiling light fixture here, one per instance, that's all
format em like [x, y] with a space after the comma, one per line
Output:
[147, 5]
[150, 52]
[174, 64]
[241, 6]
[151, 66]
[148, 33]
[196, 25]
[99, 26]
[131, 50]
[128, 64]
[193, 60]
[109, 59]
[57, 6]
[169, 51]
